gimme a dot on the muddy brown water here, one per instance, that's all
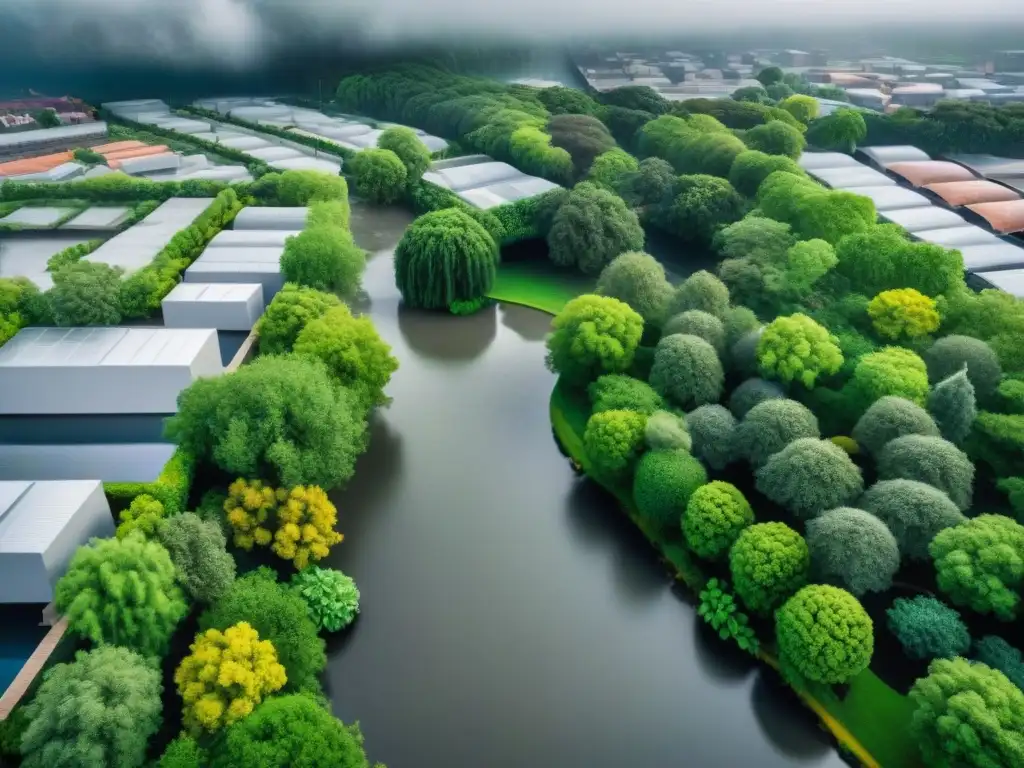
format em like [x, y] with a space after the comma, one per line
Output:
[512, 616]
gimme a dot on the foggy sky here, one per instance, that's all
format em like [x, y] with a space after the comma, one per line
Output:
[241, 32]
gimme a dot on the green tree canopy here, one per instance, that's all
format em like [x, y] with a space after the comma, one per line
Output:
[928, 628]
[768, 562]
[664, 483]
[753, 392]
[591, 228]
[667, 430]
[980, 564]
[97, 712]
[752, 167]
[651, 182]
[618, 392]
[325, 258]
[355, 355]
[278, 614]
[612, 169]
[331, 596]
[809, 476]
[776, 138]
[951, 403]
[280, 418]
[122, 592]
[796, 348]
[703, 325]
[881, 258]
[824, 634]
[999, 654]
[584, 137]
[712, 431]
[612, 442]
[560, 100]
[950, 354]
[700, 206]
[891, 371]
[852, 549]
[841, 131]
[903, 312]
[770, 426]
[913, 511]
[86, 293]
[769, 76]
[409, 148]
[803, 108]
[715, 516]
[443, 257]
[593, 335]
[687, 371]
[198, 550]
[287, 314]
[703, 291]
[930, 460]
[380, 174]
[635, 97]
[639, 280]
[295, 188]
[967, 715]
[890, 417]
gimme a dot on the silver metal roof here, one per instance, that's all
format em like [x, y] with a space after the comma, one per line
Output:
[920, 219]
[111, 463]
[109, 217]
[33, 513]
[851, 178]
[887, 198]
[232, 238]
[271, 217]
[817, 160]
[214, 292]
[242, 254]
[92, 347]
[954, 237]
[10, 141]
[1002, 255]
[895, 153]
[36, 216]
[992, 165]
[1009, 280]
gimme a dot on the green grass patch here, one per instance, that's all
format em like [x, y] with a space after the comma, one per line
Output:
[539, 285]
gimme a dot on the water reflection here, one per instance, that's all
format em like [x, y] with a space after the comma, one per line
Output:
[529, 324]
[438, 336]
[785, 721]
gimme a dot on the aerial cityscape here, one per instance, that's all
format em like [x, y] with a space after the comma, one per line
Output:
[610, 401]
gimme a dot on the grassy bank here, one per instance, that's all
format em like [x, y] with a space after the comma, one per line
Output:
[870, 723]
[539, 285]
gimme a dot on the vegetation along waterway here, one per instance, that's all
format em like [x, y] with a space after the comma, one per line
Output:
[514, 618]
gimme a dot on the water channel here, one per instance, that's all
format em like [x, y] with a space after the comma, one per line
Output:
[513, 618]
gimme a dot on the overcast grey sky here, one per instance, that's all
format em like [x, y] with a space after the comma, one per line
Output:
[240, 31]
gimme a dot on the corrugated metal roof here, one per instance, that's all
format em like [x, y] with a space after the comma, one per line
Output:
[1009, 280]
[46, 135]
[954, 237]
[957, 193]
[894, 197]
[1003, 217]
[213, 292]
[979, 258]
[90, 347]
[894, 153]
[922, 172]
[39, 512]
[818, 160]
[851, 178]
[920, 219]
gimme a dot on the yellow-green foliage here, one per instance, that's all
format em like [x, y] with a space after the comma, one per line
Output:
[613, 440]
[227, 674]
[848, 444]
[144, 514]
[297, 523]
[796, 348]
[903, 312]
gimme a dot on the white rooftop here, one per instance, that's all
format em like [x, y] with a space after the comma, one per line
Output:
[887, 198]
[851, 178]
[101, 346]
[920, 219]
[63, 133]
[488, 184]
[818, 160]
[995, 256]
[1009, 280]
[954, 237]
[895, 153]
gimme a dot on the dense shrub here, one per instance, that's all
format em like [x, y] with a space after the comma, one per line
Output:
[913, 511]
[816, 213]
[768, 562]
[182, 752]
[980, 564]
[288, 313]
[142, 516]
[952, 404]
[687, 371]
[930, 460]
[772, 425]
[664, 483]
[325, 258]
[279, 615]
[796, 348]
[739, 321]
[380, 175]
[999, 654]
[295, 731]
[712, 431]
[198, 550]
[803, 108]
[776, 138]
[852, 549]
[878, 258]
[332, 597]
[593, 335]
[121, 592]
[665, 431]
[297, 188]
[86, 293]
[611, 169]
[650, 184]
[824, 634]
[591, 228]
[281, 418]
[703, 291]
[227, 674]
[409, 148]
[352, 350]
[700, 206]
[639, 280]
[613, 441]
[809, 476]
[97, 712]
[584, 137]
[903, 312]
[715, 516]
[891, 371]
[951, 353]
[753, 392]
[744, 353]
[618, 392]
[888, 418]
[928, 629]
[444, 256]
[703, 325]
[967, 715]
[841, 131]
[752, 167]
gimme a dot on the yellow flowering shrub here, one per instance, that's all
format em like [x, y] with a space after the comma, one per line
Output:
[297, 523]
[227, 674]
[903, 312]
[306, 520]
[250, 508]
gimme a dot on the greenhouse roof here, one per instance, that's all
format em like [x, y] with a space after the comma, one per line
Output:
[883, 155]
[957, 193]
[922, 172]
[851, 178]
[893, 197]
[63, 133]
[991, 165]
[1009, 280]
[817, 160]
[489, 183]
[1005, 217]
[954, 237]
[920, 219]
[1001, 255]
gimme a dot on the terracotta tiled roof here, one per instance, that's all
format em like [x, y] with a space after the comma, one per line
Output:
[1003, 217]
[970, 192]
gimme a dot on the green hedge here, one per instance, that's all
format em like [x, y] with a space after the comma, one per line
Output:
[72, 254]
[111, 188]
[327, 147]
[171, 488]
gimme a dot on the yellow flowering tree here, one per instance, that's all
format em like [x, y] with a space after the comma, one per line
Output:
[296, 523]
[903, 312]
[306, 520]
[227, 674]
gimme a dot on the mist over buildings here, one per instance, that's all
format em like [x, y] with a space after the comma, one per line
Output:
[244, 33]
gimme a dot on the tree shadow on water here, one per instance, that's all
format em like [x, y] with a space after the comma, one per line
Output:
[721, 659]
[530, 324]
[790, 726]
[596, 521]
[445, 337]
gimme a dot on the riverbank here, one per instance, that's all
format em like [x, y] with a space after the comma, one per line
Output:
[869, 724]
[538, 286]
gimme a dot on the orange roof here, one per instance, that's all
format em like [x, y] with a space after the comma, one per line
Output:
[142, 151]
[117, 146]
[958, 193]
[39, 164]
[922, 172]
[1005, 217]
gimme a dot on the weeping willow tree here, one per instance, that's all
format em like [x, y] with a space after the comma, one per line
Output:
[445, 256]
